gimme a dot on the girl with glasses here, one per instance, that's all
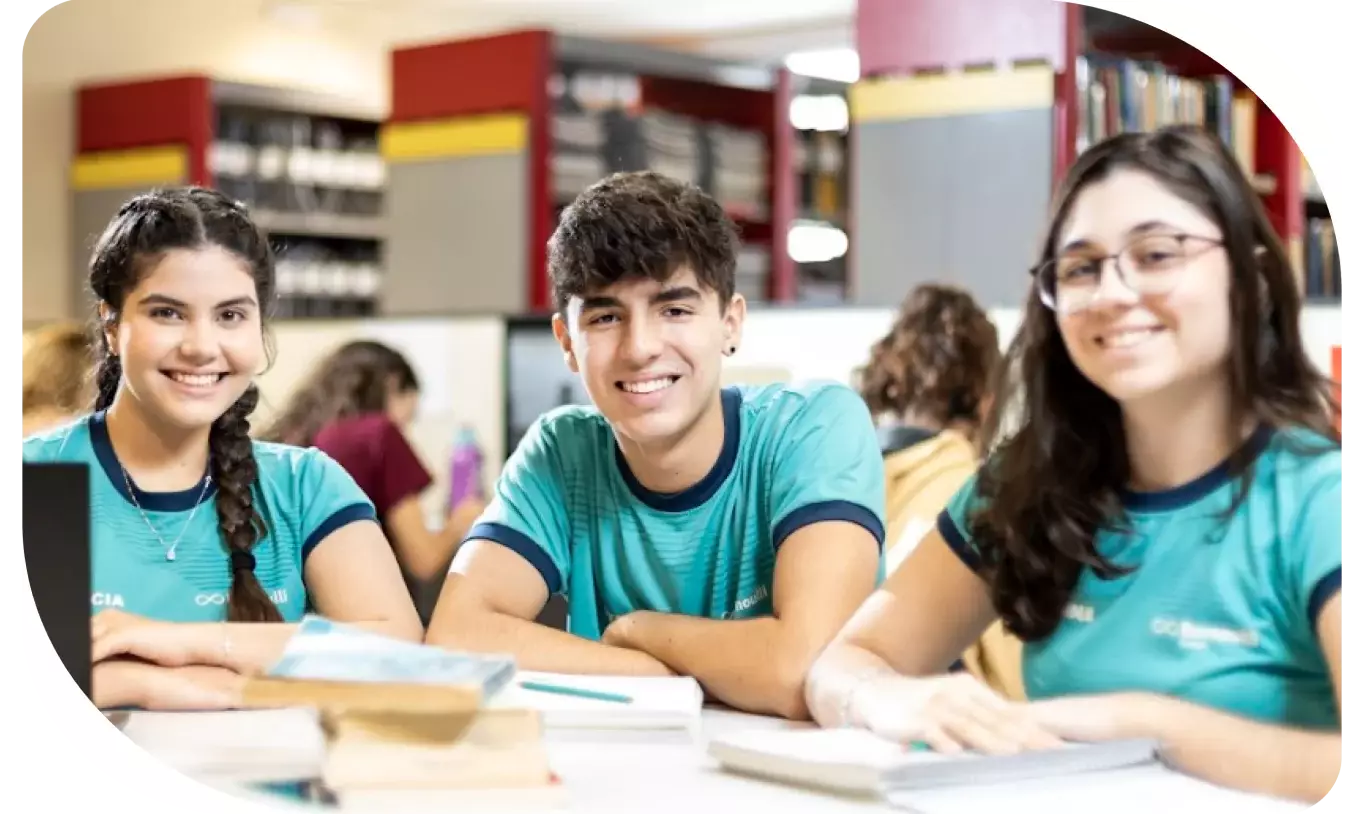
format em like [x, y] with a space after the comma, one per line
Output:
[1159, 515]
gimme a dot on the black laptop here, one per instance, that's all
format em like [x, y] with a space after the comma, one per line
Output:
[57, 556]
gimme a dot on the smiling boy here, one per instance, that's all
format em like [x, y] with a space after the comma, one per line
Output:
[718, 532]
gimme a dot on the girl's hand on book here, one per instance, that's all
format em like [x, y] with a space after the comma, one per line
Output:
[125, 683]
[116, 633]
[950, 713]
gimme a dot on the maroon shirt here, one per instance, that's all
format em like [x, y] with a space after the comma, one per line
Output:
[377, 455]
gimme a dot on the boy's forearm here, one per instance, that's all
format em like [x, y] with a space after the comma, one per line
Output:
[748, 664]
[540, 648]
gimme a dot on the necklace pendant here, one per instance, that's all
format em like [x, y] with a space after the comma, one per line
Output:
[170, 556]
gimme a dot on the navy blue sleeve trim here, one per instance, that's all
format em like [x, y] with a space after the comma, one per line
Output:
[825, 511]
[1327, 587]
[341, 517]
[956, 541]
[523, 545]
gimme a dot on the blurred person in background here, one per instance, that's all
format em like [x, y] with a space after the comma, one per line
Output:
[58, 375]
[356, 406]
[928, 383]
[1161, 522]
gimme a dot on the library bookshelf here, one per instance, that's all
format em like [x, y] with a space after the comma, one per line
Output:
[999, 96]
[306, 164]
[490, 137]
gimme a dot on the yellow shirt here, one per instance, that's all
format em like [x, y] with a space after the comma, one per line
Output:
[920, 479]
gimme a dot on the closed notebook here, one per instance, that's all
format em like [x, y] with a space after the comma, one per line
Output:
[856, 761]
[663, 703]
[331, 665]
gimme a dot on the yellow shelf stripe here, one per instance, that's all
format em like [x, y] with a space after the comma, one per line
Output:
[142, 166]
[918, 97]
[451, 138]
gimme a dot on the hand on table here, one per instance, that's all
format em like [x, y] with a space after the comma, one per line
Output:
[1091, 718]
[170, 644]
[950, 713]
[122, 683]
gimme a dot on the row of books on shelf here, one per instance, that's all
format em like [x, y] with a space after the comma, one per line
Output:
[1321, 267]
[728, 162]
[821, 170]
[289, 162]
[328, 280]
[1118, 95]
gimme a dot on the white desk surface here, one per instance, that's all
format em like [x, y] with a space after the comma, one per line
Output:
[223, 749]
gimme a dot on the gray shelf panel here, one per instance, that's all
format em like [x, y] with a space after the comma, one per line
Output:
[322, 224]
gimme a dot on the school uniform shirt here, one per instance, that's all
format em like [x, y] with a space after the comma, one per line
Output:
[1220, 612]
[792, 456]
[374, 451]
[302, 495]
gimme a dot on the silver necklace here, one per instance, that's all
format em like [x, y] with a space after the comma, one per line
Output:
[170, 552]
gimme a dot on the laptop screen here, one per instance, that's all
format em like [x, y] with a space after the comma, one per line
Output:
[57, 556]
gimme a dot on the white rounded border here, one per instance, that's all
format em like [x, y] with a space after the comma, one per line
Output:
[119, 761]
[90, 734]
[1276, 81]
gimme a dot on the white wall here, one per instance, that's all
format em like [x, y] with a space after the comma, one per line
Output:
[831, 343]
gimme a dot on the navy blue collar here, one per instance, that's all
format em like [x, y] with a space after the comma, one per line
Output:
[150, 501]
[899, 438]
[704, 489]
[1200, 487]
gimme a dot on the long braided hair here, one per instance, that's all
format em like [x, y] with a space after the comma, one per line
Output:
[144, 229]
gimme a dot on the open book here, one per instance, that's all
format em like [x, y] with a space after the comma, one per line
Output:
[856, 761]
[332, 665]
[628, 703]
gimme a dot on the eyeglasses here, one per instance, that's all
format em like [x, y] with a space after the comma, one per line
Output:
[1149, 265]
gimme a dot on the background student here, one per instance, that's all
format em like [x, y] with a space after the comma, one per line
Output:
[723, 533]
[58, 381]
[205, 544]
[1163, 528]
[928, 383]
[356, 406]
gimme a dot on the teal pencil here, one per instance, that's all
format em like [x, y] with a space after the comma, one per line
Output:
[575, 691]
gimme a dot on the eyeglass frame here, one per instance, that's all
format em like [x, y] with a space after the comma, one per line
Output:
[1182, 238]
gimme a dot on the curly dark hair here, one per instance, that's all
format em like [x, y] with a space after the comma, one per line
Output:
[140, 232]
[938, 359]
[641, 225]
[355, 378]
[1056, 480]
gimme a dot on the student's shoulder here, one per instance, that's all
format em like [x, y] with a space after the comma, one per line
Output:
[816, 401]
[285, 461]
[69, 441]
[1301, 462]
[571, 426]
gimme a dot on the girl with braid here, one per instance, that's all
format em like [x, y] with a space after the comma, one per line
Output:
[206, 546]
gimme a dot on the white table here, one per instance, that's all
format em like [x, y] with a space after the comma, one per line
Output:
[229, 749]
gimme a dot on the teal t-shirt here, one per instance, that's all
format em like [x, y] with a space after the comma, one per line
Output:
[302, 495]
[1218, 612]
[792, 456]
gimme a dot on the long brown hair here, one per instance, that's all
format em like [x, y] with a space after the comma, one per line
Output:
[356, 378]
[1055, 479]
[938, 358]
[140, 233]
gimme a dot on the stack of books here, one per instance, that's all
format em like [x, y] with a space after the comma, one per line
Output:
[406, 723]
[415, 727]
